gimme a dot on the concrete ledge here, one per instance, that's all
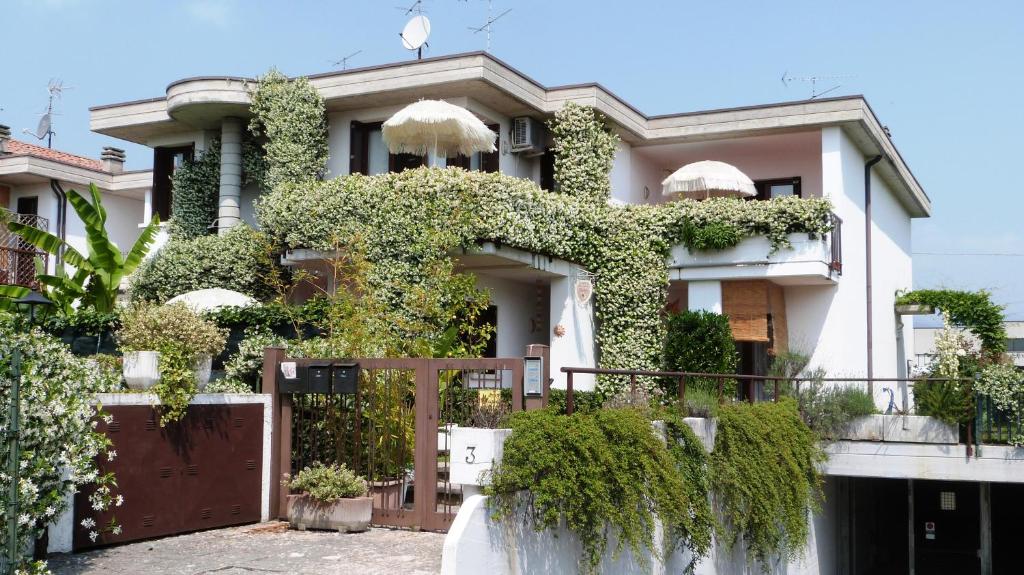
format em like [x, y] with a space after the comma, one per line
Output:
[994, 463]
[902, 429]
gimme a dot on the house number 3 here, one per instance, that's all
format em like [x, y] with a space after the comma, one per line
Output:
[471, 458]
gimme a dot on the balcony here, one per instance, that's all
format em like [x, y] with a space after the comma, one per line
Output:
[18, 258]
[817, 261]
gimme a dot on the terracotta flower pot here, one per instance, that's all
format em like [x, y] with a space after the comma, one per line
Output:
[349, 515]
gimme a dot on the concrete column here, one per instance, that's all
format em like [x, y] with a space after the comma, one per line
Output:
[704, 296]
[575, 347]
[229, 212]
[985, 493]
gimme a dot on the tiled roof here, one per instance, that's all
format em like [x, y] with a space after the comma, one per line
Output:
[19, 148]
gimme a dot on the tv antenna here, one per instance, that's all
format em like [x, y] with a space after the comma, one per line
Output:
[813, 81]
[416, 7]
[490, 22]
[414, 35]
[344, 61]
[44, 129]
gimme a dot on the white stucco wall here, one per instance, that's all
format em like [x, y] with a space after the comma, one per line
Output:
[123, 214]
[829, 322]
[517, 304]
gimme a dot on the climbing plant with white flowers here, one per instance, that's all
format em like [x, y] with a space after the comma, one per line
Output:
[60, 449]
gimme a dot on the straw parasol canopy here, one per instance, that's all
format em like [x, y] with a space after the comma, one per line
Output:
[437, 126]
[213, 299]
[708, 179]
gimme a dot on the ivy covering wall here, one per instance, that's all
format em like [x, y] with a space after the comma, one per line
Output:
[409, 221]
[292, 116]
[584, 152]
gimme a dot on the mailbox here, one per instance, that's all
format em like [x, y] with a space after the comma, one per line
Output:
[345, 377]
[533, 376]
[318, 376]
[291, 379]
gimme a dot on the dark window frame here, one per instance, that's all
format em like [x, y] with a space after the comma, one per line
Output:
[764, 187]
[163, 169]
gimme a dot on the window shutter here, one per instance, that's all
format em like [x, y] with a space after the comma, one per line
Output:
[746, 304]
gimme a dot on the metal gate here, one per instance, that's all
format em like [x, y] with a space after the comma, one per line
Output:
[387, 419]
[201, 472]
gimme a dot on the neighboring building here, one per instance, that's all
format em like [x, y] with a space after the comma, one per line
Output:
[812, 296]
[924, 345]
[34, 182]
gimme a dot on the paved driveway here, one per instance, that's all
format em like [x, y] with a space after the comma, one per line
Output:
[265, 548]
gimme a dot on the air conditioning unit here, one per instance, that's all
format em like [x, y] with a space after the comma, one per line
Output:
[527, 136]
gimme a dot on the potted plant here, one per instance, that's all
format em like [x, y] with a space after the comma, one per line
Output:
[168, 349]
[331, 497]
[477, 447]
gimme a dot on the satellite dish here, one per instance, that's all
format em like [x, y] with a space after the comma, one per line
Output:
[44, 126]
[415, 33]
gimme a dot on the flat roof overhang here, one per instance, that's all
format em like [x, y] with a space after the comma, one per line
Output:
[199, 103]
[23, 170]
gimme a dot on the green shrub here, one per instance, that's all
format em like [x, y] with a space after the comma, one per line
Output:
[974, 311]
[600, 471]
[713, 236]
[583, 401]
[327, 483]
[701, 342]
[949, 401]
[584, 153]
[765, 478]
[196, 187]
[829, 409]
[182, 337]
[246, 365]
[239, 260]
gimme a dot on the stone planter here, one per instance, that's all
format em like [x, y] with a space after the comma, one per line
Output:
[901, 429]
[474, 451]
[204, 366]
[141, 369]
[348, 515]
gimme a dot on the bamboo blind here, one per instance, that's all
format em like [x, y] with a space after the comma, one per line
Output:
[748, 305]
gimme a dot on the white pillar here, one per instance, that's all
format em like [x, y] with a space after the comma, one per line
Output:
[147, 209]
[704, 296]
[229, 212]
[575, 348]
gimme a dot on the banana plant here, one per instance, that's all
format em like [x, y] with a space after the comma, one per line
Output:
[90, 280]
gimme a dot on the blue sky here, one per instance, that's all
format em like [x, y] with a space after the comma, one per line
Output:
[944, 76]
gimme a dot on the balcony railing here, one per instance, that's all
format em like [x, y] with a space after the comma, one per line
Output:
[18, 257]
[836, 243]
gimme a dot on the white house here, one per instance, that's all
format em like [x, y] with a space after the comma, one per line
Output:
[831, 297]
[815, 296]
[34, 183]
[924, 344]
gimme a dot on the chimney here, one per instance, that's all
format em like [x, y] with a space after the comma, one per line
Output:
[5, 135]
[113, 159]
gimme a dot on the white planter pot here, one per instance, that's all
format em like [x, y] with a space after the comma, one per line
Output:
[474, 451]
[204, 366]
[141, 369]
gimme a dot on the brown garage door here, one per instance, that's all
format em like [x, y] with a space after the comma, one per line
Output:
[202, 472]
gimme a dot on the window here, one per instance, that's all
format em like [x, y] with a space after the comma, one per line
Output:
[1015, 344]
[483, 162]
[780, 188]
[165, 161]
[369, 154]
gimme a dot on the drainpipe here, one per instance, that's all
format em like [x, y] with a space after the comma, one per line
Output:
[867, 283]
[60, 226]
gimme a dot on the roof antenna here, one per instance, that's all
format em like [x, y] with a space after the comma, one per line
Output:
[490, 21]
[44, 129]
[416, 7]
[344, 61]
[813, 81]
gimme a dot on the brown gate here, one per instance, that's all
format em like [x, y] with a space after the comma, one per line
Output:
[390, 423]
[201, 472]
